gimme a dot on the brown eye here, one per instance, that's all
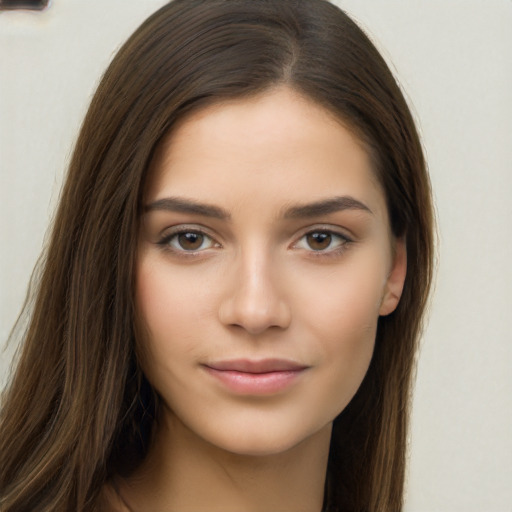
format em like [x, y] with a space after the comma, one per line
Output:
[319, 241]
[323, 242]
[190, 241]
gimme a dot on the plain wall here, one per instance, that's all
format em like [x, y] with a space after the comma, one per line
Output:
[454, 60]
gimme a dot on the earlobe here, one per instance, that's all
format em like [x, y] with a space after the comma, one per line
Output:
[396, 279]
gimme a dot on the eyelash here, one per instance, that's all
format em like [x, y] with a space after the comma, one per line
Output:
[343, 242]
[166, 242]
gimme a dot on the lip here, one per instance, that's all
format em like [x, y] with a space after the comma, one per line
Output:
[250, 377]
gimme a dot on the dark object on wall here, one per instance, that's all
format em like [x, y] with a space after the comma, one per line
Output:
[33, 5]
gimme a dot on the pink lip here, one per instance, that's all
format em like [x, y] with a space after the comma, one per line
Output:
[256, 377]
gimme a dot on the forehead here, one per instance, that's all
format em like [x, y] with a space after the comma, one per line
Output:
[275, 145]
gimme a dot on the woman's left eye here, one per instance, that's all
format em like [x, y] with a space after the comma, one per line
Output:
[188, 241]
[322, 241]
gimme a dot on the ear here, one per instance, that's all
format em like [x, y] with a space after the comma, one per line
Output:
[396, 279]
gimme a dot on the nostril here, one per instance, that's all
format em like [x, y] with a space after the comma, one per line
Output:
[241, 313]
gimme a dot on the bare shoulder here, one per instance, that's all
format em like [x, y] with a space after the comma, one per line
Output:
[110, 501]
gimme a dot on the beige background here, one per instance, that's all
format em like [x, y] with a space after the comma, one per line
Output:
[454, 59]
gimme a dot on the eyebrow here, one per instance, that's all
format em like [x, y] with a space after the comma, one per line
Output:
[182, 205]
[309, 210]
[325, 207]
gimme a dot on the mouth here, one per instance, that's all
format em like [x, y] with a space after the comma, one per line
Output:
[248, 377]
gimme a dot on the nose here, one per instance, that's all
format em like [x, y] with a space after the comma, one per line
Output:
[253, 299]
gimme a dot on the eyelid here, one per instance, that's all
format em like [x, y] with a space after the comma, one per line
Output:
[329, 229]
[172, 231]
[326, 228]
[169, 233]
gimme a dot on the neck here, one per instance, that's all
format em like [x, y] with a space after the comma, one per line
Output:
[186, 473]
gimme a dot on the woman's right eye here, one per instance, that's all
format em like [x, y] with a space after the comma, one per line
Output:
[188, 241]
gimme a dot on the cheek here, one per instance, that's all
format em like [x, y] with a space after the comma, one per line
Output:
[163, 315]
[346, 307]
[343, 319]
[170, 304]
[171, 311]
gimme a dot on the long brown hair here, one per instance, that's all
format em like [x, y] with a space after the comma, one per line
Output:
[78, 408]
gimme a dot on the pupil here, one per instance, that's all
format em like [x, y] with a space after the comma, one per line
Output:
[319, 241]
[190, 241]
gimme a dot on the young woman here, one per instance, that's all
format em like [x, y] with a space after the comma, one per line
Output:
[228, 311]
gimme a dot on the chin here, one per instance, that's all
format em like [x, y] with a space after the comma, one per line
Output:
[267, 442]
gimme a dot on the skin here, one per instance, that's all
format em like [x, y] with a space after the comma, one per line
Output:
[268, 280]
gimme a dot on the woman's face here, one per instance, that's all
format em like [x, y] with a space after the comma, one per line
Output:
[265, 260]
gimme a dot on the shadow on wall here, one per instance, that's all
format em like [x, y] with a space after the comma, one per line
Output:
[32, 5]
